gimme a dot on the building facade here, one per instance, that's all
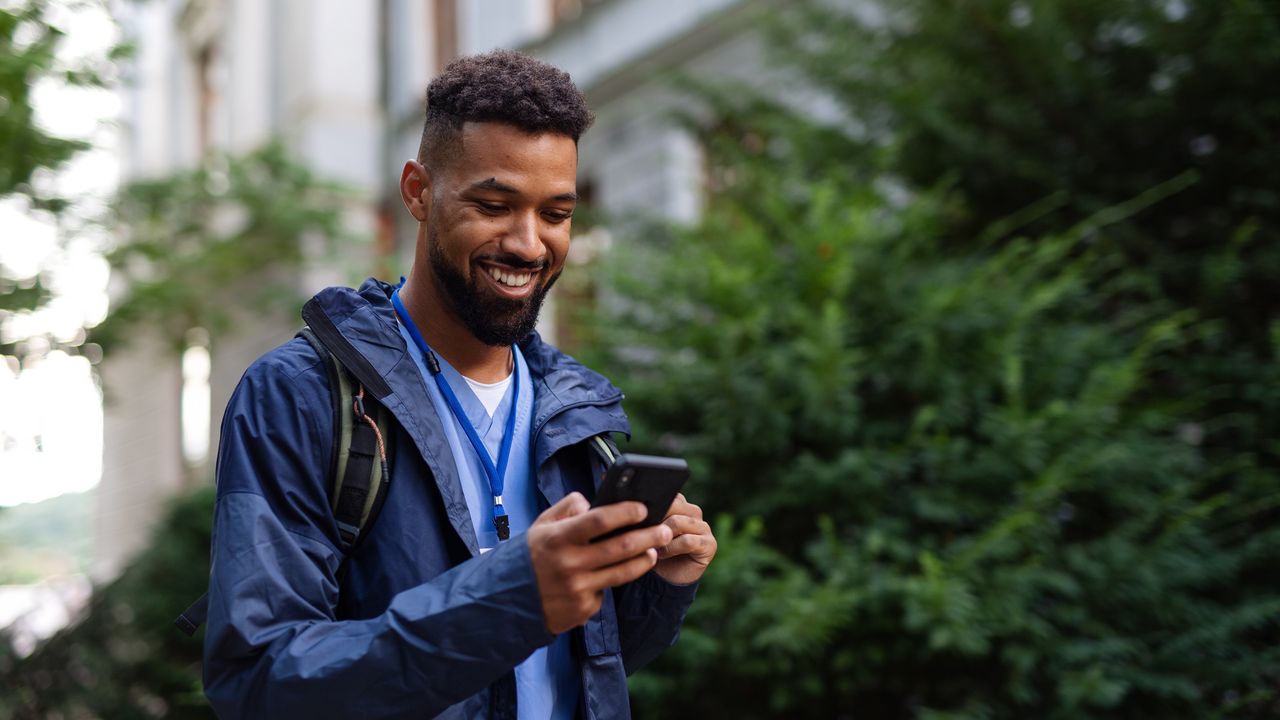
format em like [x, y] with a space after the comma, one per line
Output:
[343, 85]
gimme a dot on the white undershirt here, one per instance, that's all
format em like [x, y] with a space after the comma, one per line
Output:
[489, 394]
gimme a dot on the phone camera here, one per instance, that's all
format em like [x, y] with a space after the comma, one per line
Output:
[626, 477]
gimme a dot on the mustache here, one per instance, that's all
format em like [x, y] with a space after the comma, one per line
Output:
[515, 261]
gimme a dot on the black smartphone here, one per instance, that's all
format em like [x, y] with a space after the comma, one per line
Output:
[650, 479]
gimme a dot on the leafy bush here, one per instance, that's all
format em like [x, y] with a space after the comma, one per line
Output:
[1066, 109]
[980, 381]
[124, 659]
[948, 483]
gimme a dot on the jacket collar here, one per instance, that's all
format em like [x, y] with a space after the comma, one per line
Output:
[562, 380]
[571, 402]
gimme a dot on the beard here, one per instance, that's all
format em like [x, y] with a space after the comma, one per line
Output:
[493, 320]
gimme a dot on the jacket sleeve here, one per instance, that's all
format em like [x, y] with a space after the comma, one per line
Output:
[650, 612]
[273, 646]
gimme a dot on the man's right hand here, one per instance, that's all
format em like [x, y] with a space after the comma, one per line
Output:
[572, 572]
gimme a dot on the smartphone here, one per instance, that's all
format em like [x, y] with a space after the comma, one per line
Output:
[650, 479]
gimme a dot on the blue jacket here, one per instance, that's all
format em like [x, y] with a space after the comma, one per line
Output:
[420, 625]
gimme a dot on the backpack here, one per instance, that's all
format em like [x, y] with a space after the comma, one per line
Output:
[359, 484]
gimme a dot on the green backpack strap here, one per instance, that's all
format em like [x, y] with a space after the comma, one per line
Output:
[359, 477]
[604, 451]
[358, 473]
[604, 448]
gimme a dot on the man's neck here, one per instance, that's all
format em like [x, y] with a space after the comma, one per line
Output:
[449, 338]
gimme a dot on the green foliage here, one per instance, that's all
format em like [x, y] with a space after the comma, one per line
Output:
[124, 659]
[19, 296]
[29, 47]
[981, 383]
[966, 496]
[28, 54]
[1083, 105]
[200, 245]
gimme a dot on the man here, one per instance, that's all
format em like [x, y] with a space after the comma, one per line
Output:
[476, 594]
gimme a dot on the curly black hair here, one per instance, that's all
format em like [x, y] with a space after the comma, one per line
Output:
[500, 86]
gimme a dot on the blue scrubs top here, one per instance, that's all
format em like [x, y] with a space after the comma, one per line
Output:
[547, 685]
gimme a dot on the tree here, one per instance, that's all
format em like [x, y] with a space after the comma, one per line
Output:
[942, 489]
[979, 381]
[1070, 108]
[31, 44]
[197, 247]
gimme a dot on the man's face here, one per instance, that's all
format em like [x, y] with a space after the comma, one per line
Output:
[497, 229]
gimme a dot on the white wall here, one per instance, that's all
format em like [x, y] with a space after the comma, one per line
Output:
[625, 55]
[491, 24]
[142, 458]
[249, 67]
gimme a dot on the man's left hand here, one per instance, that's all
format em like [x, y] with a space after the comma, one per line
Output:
[683, 560]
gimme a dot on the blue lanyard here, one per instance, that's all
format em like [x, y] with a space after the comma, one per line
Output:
[495, 474]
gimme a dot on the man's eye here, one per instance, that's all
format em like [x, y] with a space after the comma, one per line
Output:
[557, 216]
[490, 208]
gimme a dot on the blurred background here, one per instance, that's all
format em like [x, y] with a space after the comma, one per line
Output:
[964, 314]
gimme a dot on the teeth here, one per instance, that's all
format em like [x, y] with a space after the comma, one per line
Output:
[510, 279]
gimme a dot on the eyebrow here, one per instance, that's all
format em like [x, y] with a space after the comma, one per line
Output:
[496, 185]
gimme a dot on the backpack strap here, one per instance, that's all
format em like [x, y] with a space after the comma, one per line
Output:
[604, 452]
[358, 470]
[194, 616]
[604, 448]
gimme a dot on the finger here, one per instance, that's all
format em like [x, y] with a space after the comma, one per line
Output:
[570, 505]
[685, 525]
[627, 545]
[677, 505]
[623, 572]
[598, 521]
[698, 547]
[682, 506]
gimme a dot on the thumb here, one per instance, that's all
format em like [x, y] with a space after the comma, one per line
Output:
[572, 504]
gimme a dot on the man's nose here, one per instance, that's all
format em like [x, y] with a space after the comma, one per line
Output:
[523, 240]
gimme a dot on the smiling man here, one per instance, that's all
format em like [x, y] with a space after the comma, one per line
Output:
[477, 592]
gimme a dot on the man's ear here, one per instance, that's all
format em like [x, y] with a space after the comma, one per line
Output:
[415, 189]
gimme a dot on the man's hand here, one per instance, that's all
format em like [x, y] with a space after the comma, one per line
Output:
[572, 573]
[684, 559]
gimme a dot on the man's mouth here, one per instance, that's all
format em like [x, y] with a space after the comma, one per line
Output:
[510, 278]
